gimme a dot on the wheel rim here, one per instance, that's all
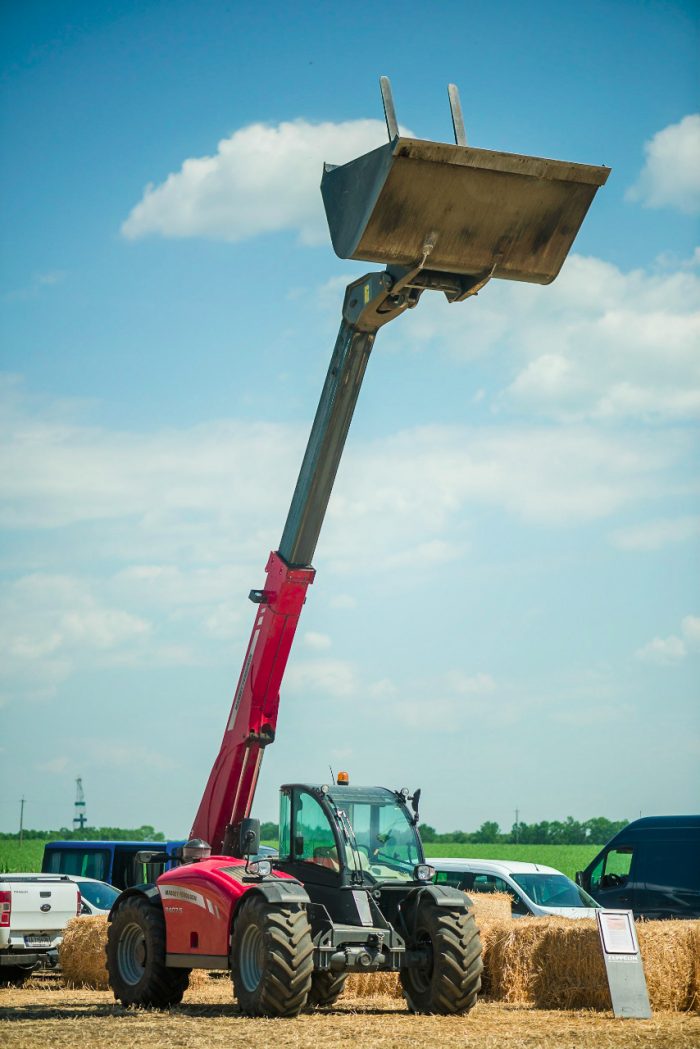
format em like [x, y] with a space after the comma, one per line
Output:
[252, 957]
[132, 953]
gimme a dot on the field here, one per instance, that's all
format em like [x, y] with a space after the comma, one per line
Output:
[26, 857]
[566, 858]
[45, 1013]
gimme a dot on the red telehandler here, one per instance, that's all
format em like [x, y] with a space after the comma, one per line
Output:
[350, 890]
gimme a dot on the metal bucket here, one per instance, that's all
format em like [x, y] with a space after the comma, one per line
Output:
[483, 212]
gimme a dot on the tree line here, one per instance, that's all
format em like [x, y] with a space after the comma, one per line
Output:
[596, 831]
[144, 833]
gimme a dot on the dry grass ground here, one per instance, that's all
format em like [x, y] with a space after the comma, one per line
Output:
[46, 1014]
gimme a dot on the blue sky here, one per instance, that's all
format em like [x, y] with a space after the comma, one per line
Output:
[507, 609]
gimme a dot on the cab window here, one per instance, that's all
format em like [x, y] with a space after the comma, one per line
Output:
[613, 870]
[313, 837]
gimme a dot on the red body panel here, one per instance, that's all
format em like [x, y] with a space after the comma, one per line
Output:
[228, 796]
[198, 903]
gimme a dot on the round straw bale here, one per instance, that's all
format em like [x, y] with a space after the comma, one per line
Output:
[82, 953]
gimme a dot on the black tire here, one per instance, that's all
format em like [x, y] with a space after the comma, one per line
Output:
[271, 957]
[136, 957]
[15, 975]
[326, 988]
[451, 980]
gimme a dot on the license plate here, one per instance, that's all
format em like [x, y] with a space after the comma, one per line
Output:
[37, 941]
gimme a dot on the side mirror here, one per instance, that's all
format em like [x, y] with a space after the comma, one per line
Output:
[249, 837]
[84, 908]
[414, 805]
[149, 856]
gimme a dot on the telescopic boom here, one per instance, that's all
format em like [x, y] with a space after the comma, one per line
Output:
[441, 218]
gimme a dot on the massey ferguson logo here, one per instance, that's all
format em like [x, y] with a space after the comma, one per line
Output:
[46, 907]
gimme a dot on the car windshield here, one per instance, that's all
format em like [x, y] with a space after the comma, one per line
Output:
[98, 894]
[553, 890]
[387, 842]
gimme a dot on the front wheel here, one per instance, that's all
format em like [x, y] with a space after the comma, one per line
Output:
[326, 988]
[450, 979]
[136, 957]
[271, 957]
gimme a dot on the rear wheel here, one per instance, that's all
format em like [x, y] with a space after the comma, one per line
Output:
[451, 977]
[136, 957]
[326, 988]
[271, 958]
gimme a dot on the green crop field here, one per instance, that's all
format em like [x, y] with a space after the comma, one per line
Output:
[566, 858]
[24, 857]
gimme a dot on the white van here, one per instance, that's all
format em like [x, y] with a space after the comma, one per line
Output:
[533, 888]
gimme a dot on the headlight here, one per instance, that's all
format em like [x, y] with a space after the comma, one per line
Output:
[260, 867]
[423, 872]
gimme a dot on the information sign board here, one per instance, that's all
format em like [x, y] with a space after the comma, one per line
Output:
[623, 963]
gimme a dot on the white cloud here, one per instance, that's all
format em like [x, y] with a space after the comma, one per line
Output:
[671, 173]
[184, 549]
[322, 677]
[653, 535]
[673, 649]
[262, 179]
[599, 343]
[463, 684]
[318, 642]
[52, 623]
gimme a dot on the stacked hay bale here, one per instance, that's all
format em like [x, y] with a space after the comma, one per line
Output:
[557, 963]
[82, 955]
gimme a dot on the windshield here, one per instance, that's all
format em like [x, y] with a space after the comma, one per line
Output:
[553, 890]
[387, 843]
[98, 894]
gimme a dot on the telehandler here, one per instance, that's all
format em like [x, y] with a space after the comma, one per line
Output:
[350, 890]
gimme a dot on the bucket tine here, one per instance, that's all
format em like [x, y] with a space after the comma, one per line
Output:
[457, 118]
[389, 111]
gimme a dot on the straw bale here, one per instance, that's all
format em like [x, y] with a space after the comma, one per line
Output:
[82, 953]
[671, 954]
[557, 963]
[490, 907]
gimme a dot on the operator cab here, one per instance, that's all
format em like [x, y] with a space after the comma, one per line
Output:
[345, 837]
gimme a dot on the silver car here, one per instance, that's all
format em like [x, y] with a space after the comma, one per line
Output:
[532, 887]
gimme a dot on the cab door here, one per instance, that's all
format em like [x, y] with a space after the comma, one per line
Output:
[613, 879]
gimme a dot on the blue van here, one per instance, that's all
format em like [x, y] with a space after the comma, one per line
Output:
[651, 867]
[111, 861]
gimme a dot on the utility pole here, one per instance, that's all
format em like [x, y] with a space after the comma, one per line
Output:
[517, 826]
[21, 821]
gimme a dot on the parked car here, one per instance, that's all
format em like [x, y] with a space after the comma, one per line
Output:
[532, 887]
[34, 911]
[96, 897]
[651, 867]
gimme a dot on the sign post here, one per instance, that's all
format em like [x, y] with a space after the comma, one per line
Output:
[623, 964]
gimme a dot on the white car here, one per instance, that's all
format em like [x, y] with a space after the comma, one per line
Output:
[533, 888]
[96, 896]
